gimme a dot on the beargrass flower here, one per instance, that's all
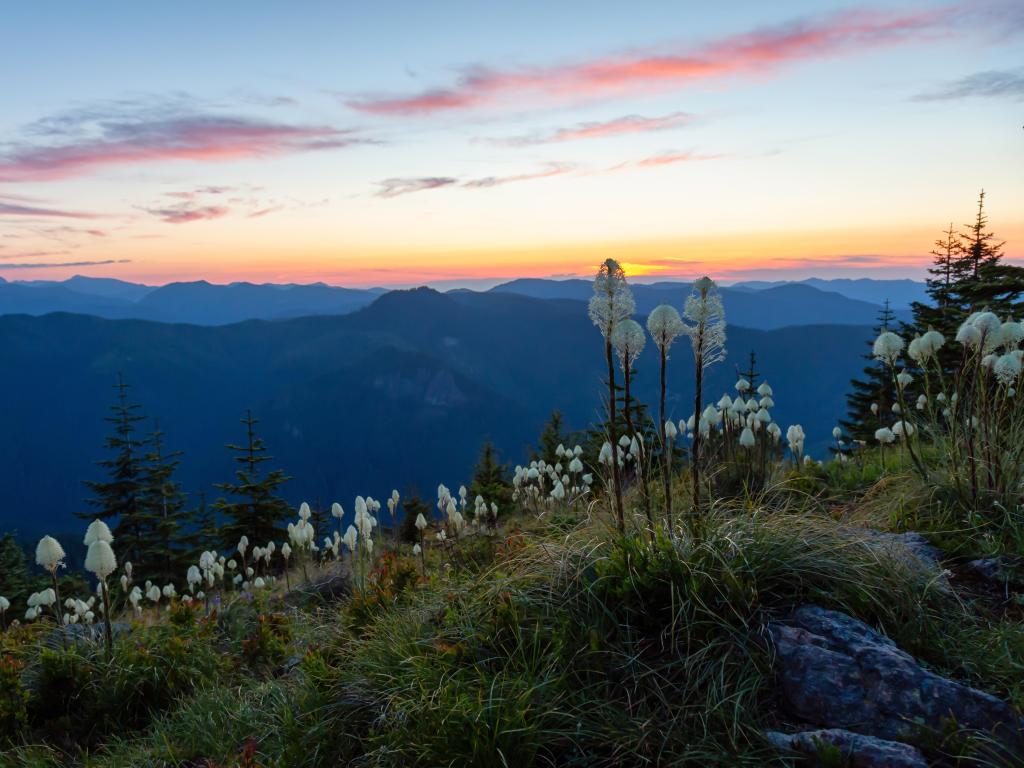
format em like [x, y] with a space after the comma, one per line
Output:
[747, 438]
[1007, 368]
[969, 335]
[1011, 334]
[100, 559]
[887, 347]
[97, 531]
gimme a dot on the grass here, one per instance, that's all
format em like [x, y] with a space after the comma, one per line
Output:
[558, 645]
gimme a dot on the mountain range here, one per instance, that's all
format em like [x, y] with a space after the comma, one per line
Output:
[399, 393]
[199, 302]
[753, 305]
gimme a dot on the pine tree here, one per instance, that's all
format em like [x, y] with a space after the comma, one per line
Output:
[979, 246]
[318, 518]
[206, 533]
[550, 438]
[168, 543]
[751, 374]
[874, 388]
[412, 505]
[257, 511]
[490, 479]
[120, 496]
[16, 580]
[967, 275]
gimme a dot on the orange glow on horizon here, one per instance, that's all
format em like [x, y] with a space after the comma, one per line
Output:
[735, 256]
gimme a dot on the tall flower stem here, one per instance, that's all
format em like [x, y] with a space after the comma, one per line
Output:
[56, 592]
[666, 447]
[107, 620]
[695, 455]
[613, 438]
[640, 468]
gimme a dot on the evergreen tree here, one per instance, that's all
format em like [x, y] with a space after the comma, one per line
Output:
[751, 374]
[256, 511]
[168, 543]
[206, 533]
[120, 495]
[412, 505]
[318, 518]
[967, 275]
[978, 247]
[874, 388]
[16, 580]
[491, 481]
[551, 437]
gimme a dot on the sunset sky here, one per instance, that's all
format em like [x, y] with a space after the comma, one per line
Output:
[399, 143]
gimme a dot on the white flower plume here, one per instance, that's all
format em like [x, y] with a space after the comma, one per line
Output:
[665, 326]
[706, 314]
[612, 301]
[628, 339]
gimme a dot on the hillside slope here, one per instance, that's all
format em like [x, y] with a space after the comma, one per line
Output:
[408, 387]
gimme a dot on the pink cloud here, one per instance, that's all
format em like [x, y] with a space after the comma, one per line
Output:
[751, 53]
[600, 130]
[186, 214]
[656, 161]
[17, 209]
[200, 138]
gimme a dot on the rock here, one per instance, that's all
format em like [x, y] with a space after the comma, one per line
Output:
[329, 589]
[911, 542]
[854, 749]
[837, 672]
[1003, 570]
[69, 634]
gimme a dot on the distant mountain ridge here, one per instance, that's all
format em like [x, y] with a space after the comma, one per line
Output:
[199, 302]
[754, 305]
[900, 293]
[401, 392]
[778, 306]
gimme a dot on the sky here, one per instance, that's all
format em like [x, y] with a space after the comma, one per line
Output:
[464, 143]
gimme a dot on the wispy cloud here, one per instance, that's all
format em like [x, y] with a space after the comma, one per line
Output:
[395, 187]
[753, 53]
[663, 159]
[35, 211]
[404, 186]
[1008, 84]
[619, 126]
[54, 265]
[32, 254]
[185, 213]
[554, 169]
[86, 140]
[216, 201]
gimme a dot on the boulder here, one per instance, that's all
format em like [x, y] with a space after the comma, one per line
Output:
[855, 750]
[837, 672]
[331, 588]
[70, 634]
[1003, 570]
[910, 543]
